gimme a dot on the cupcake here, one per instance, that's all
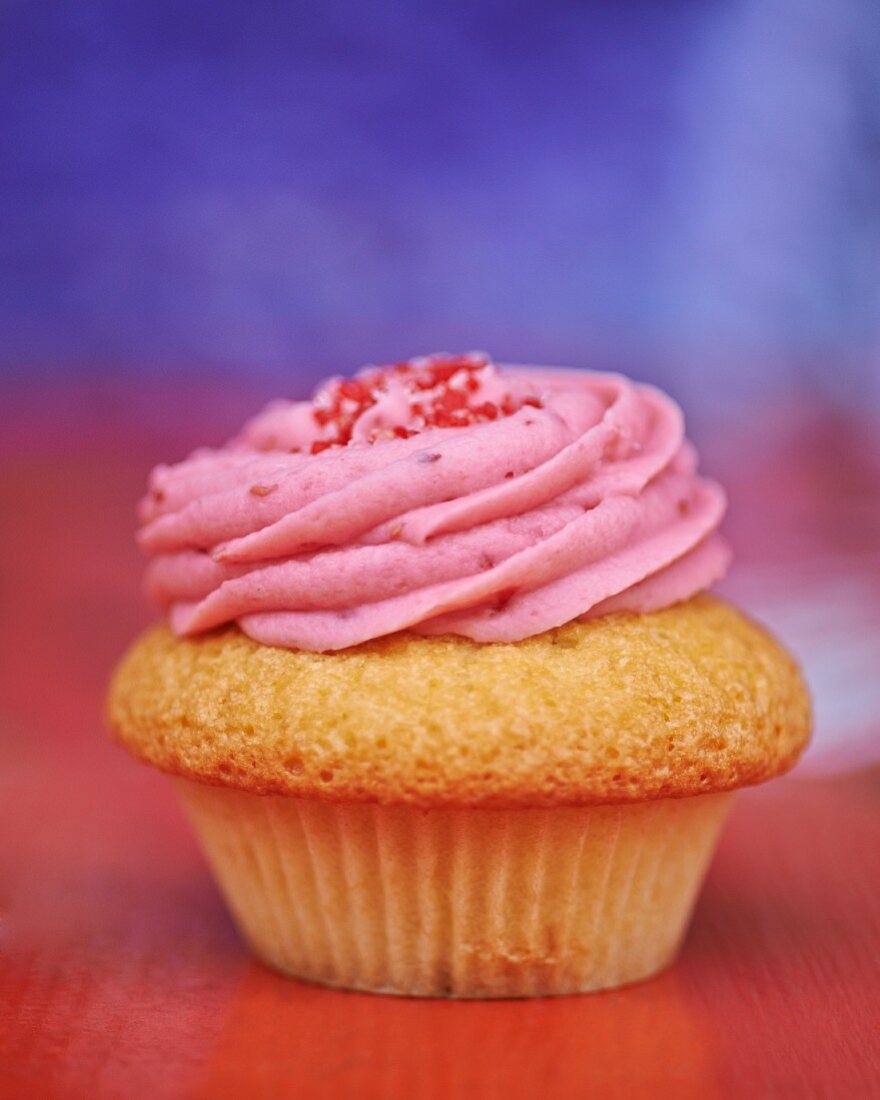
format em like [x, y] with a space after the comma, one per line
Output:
[440, 684]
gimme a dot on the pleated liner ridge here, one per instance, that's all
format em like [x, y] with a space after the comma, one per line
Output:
[458, 902]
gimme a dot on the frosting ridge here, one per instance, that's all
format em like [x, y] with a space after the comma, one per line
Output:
[443, 495]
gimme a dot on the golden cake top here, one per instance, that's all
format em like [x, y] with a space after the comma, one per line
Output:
[690, 699]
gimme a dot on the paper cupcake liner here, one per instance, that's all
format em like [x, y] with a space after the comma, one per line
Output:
[458, 902]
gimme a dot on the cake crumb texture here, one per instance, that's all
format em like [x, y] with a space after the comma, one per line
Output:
[691, 699]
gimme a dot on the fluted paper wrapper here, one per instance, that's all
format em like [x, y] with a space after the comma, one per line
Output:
[458, 902]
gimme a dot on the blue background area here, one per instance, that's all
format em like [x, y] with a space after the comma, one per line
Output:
[683, 188]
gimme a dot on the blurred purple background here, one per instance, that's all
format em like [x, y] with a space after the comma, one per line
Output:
[204, 205]
[683, 188]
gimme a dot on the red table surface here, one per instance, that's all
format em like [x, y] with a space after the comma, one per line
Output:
[122, 976]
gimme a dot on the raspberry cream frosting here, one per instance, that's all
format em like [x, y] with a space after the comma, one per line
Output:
[445, 495]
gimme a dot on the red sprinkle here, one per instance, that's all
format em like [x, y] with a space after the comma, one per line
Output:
[439, 389]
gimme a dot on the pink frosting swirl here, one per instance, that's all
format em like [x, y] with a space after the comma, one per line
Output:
[443, 496]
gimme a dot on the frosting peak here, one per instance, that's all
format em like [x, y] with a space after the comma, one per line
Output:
[393, 402]
[442, 495]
